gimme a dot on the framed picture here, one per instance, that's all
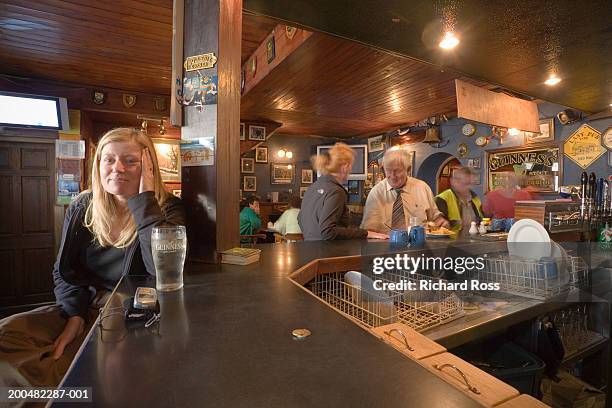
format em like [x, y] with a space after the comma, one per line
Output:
[476, 179]
[375, 144]
[303, 191]
[247, 165]
[177, 193]
[270, 51]
[168, 154]
[281, 173]
[547, 132]
[307, 175]
[257, 133]
[261, 155]
[474, 162]
[249, 183]
[242, 131]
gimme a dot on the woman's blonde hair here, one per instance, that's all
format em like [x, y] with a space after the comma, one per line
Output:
[339, 155]
[101, 210]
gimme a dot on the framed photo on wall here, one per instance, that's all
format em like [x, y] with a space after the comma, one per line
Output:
[303, 191]
[547, 132]
[261, 155]
[307, 175]
[168, 154]
[247, 165]
[257, 133]
[242, 131]
[281, 173]
[249, 183]
[376, 144]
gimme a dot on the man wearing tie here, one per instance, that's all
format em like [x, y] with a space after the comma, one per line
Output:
[398, 198]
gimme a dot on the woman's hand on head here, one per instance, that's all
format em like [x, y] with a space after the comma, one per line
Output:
[147, 180]
[74, 328]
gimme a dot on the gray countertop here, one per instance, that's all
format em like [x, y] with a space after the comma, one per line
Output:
[225, 340]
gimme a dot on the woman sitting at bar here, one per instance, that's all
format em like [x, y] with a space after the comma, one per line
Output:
[288, 221]
[324, 215]
[106, 234]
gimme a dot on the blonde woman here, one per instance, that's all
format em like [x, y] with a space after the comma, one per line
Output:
[106, 234]
[324, 215]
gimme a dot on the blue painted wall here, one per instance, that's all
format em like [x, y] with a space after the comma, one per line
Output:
[451, 130]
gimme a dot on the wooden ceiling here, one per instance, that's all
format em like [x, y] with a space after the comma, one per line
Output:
[121, 44]
[516, 44]
[333, 87]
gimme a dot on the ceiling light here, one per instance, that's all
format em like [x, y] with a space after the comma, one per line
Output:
[281, 153]
[289, 154]
[513, 132]
[449, 41]
[553, 80]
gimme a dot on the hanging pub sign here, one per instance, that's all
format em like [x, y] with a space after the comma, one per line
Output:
[583, 147]
[537, 169]
[202, 61]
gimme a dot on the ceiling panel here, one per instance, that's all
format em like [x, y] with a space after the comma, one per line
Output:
[333, 87]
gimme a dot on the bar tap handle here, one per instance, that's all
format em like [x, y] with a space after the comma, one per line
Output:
[592, 186]
[584, 179]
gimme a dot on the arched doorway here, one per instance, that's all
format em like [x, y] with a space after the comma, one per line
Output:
[432, 170]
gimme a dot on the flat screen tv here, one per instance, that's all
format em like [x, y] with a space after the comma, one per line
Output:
[360, 166]
[33, 111]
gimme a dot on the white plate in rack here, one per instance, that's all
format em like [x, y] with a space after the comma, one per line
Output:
[525, 232]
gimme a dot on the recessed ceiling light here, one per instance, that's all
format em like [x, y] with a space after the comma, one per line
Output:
[553, 80]
[449, 41]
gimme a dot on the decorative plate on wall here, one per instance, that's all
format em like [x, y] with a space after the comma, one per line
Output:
[462, 150]
[481, 141]
[468, 129]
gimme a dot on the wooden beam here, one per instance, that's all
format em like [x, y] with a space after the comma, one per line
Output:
[178, 21]
[498, 109]
[283, 47]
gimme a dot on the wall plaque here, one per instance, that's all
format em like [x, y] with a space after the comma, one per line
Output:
[202, 61]
[583, 147]
[537, 168]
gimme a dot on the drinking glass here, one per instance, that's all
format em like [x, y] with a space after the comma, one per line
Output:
[169, 247]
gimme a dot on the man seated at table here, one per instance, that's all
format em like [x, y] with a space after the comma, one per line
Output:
[288, 221]
[398, 197]
[459, 204]
[250, 222]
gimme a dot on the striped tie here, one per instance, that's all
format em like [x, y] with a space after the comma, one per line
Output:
[398, 221]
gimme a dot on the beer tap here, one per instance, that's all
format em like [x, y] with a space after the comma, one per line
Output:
[584, 178]
[600, 212]
[591, 202]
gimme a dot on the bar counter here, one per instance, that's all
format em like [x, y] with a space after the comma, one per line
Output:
[225, 340]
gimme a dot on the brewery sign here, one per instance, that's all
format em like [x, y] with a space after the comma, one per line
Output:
[536, 168]
[202, 61]
[583, 147]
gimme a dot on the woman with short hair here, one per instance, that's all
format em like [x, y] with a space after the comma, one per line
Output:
[106, 234]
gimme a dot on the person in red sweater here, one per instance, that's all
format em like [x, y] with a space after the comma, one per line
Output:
[500, 203]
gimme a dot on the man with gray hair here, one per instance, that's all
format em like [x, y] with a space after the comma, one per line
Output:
[395, 200]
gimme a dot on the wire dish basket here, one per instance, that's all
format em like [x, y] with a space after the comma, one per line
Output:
[534, 279]
[420, 310]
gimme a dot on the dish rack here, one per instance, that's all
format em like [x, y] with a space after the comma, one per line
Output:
[420, 310]
[533, 279]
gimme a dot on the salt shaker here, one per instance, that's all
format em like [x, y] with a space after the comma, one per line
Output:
[473, 229]
[482, 229]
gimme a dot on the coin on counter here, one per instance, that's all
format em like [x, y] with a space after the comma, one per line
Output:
[300, 333]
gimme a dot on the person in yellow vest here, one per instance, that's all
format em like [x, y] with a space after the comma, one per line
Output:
[459, 204]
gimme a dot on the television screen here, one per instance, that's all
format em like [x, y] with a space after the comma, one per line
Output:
[31, 111]
[360, 165]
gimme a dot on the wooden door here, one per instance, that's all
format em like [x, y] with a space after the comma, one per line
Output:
[27, 174]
